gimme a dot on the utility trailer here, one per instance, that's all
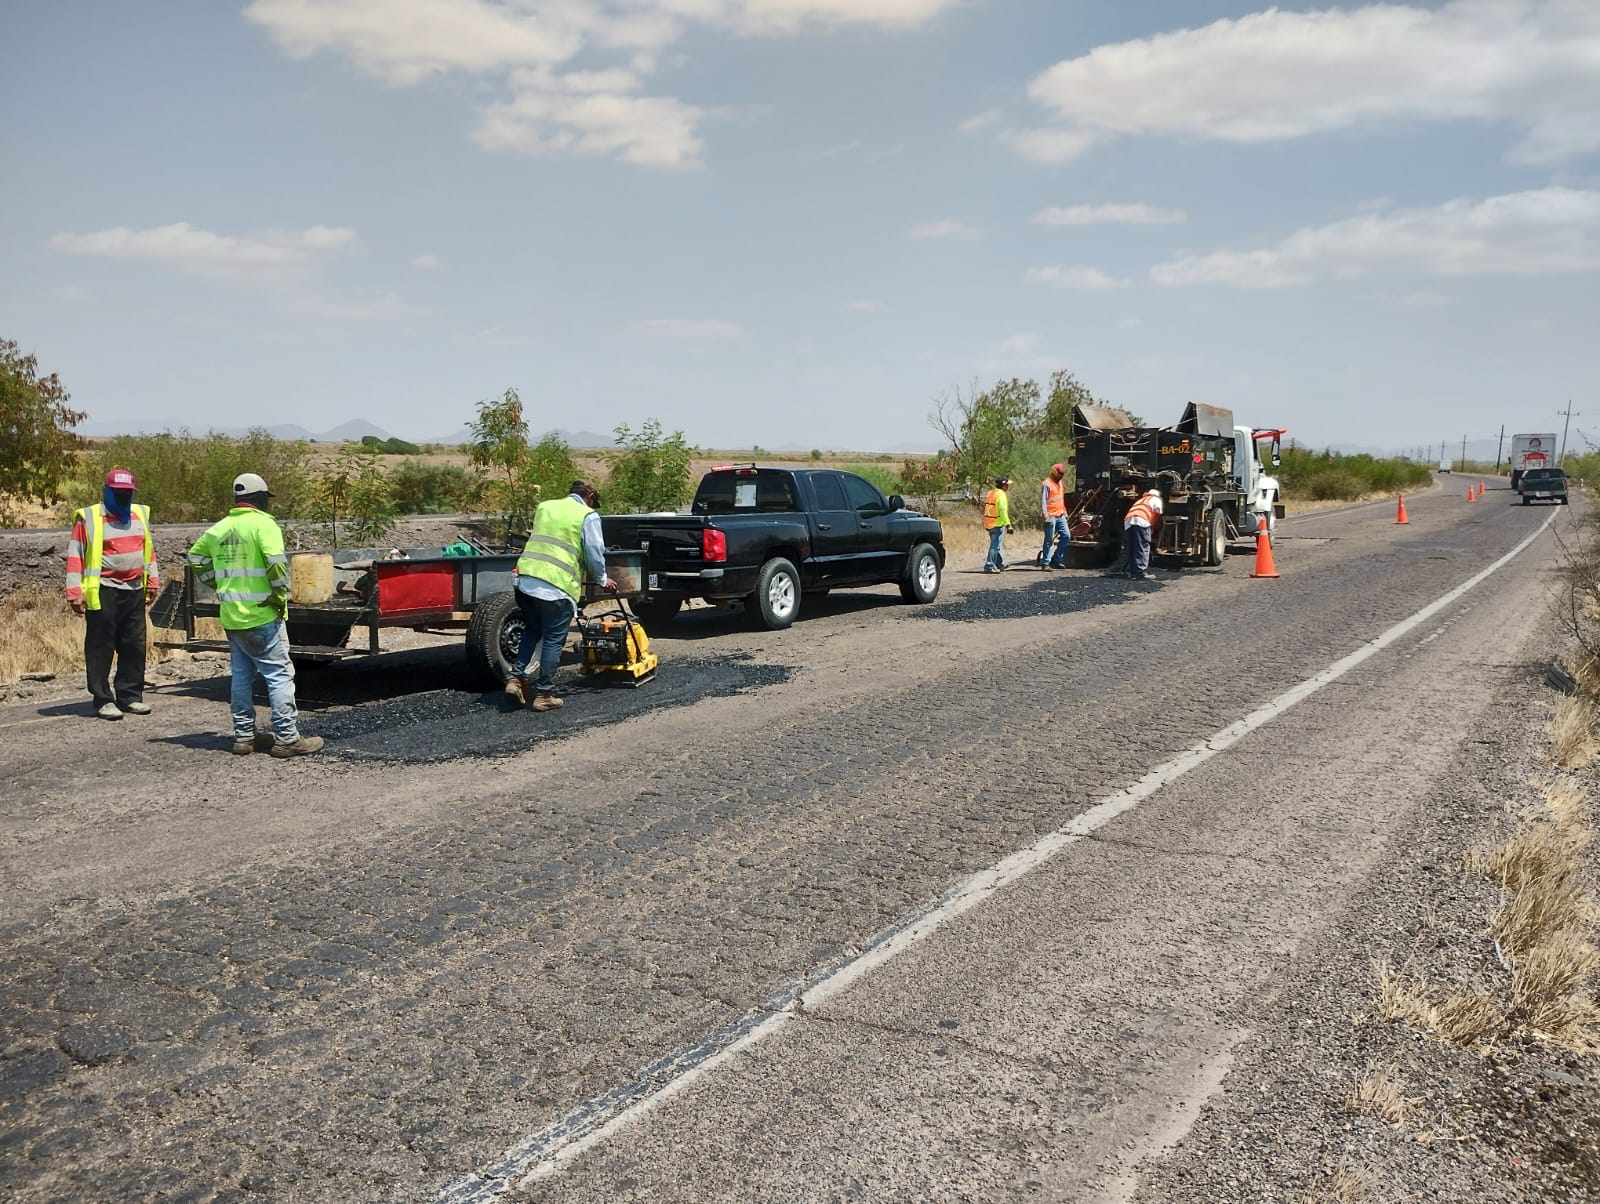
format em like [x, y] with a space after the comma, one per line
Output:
[1214, 487]
[419, 588]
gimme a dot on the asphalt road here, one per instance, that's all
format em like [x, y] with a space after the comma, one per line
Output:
[793, 928]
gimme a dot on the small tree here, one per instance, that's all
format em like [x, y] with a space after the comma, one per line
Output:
[651, 472]
[983, 428]
[500, 445]
[354, 487]
[37, 442]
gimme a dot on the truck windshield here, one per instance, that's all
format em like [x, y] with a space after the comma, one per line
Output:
[745, 491]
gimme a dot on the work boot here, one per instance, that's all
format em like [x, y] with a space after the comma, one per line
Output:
[243, 748]
[518, 689]
[304, 746]
[136, 708]
[547, 702]
[109, 711]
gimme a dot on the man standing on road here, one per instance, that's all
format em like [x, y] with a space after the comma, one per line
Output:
[1053, 506]
[564, 547]
[1137, 527]
[996, 521]
[242, 558]
[111, 578]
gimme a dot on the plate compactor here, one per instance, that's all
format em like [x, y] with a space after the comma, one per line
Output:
[615, 643]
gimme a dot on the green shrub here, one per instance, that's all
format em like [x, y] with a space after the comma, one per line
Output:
[1330, 476]
[351, 500]
[650, 472]
[389, 447]
[187, 478]
[434, 488]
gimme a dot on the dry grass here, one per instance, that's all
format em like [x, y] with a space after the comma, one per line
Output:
[1347, 1185]
[40, 634]
[1466, 1016]
[1381, 1094]
[1573, 741]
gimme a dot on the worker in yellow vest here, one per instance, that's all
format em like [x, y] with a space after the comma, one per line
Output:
[1053, 507]
[997, 521]
[565, 546]
[111, 578]
[242, 558]
[1138, 525]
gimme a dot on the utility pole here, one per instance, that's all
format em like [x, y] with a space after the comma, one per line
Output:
[1568, 412]
[1499, 449]
[1463, 453]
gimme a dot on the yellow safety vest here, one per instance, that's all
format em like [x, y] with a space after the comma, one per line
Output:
[94, 554]
[243, 559]
[554, 551]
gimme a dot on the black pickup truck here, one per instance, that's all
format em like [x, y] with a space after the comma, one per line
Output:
[769, 536]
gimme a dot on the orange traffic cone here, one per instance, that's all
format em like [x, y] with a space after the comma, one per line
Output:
[1480, 489]
[1472, 494]
[1264, 566]
[1401, 518]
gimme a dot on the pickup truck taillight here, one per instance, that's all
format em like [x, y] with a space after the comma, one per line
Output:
[713, 545]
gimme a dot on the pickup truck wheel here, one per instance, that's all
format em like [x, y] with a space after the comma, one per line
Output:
[658, 612]
[777, 594]
[922, 575]
[1217, 545]
[493, 637]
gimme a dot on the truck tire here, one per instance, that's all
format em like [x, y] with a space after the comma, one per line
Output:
[922, 578]
[1217, 544]
[657, 612]
[493, 637]
[776, 600]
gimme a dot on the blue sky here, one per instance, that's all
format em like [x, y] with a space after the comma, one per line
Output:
[800, 222]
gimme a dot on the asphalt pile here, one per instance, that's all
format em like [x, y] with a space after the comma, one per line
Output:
[450, 724]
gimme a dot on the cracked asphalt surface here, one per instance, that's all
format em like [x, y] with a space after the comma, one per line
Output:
[368, 975]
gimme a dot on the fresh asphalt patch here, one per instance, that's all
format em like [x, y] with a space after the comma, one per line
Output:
[446, 725]
[1059, 593]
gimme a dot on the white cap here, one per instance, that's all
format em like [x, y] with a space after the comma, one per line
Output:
[247, 483]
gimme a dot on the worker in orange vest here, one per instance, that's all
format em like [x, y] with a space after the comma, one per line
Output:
[1138, 526]
[997, 521]
[1053, 506]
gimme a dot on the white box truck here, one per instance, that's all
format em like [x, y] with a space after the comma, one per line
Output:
[1531, 451]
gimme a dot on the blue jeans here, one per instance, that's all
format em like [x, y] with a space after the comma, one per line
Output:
[1055, 530]
[1136, 540]
[995, 559]
[263, 650]
[545, 625]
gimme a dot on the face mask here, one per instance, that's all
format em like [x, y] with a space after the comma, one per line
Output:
[118, 502]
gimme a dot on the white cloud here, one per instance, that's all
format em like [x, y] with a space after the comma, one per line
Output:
[590, 112]
[1275, 75]
[705, 330]
[864, 307]
[1017, 344]
[593, 115]
[428, 261]
[949, 227]
[197, 252]
[979, 121]
[1551, 231]
[1081, 280]
[1136, 213]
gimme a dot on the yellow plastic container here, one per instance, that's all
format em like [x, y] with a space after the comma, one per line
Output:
[310, 578]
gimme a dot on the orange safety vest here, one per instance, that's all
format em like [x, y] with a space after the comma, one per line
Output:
[994, 513]
[1142, 509]
[1055, 505]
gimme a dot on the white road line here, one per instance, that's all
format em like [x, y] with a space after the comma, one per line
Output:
[544, 1153]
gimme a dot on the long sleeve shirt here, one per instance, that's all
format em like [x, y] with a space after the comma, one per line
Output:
[121, 555]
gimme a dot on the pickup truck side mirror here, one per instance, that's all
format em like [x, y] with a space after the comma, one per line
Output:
[1277, 454]
[896, 502]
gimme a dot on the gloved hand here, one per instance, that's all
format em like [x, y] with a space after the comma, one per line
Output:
[280, 604]
[78, 608]
[609, 585]
[150, 593]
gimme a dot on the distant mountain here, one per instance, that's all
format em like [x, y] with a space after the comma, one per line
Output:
[353, 431]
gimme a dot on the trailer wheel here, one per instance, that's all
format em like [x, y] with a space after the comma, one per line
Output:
[922, 578]
[493, 637]
[1217, 545]
[657, 612]
[777, 594]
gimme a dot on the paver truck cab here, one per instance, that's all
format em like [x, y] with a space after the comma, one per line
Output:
[767, 537]
[1214, 484]
[1531, 451]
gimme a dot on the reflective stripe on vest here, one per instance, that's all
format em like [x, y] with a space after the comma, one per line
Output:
[555, 545]
[1141, 509]
[1056, 503]
[94, 555]
[991, 510]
